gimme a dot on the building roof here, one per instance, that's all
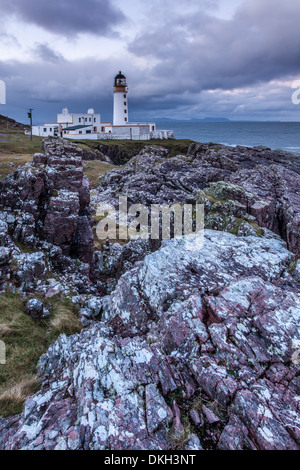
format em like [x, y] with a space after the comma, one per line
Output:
[74, 128]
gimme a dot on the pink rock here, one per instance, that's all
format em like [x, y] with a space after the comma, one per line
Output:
[210, 416]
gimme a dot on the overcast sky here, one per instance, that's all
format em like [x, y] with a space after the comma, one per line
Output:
[190, 59]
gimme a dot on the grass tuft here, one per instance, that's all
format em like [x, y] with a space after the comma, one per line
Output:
[176, 439]
[25, 341]
[93, 169]
[12, 398]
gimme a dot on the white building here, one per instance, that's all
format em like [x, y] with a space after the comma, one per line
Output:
[89, 125]
[70, 124]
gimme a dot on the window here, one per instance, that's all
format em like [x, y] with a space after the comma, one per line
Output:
[153, 128]
[88, 132]
[79, 119]
[94, 119]
[102, 129]
[95, 129]
[90, 119]
[125, 103]
[45, 129]
[80, 132]
[125, 119]
[50, 129]
[124, 97]
[85, 119]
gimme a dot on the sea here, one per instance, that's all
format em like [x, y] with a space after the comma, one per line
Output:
[275, 135]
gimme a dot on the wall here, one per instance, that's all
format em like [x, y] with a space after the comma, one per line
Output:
[83, 116]
[39, 130]
[63, 118]
[82, 136]
[162, 135]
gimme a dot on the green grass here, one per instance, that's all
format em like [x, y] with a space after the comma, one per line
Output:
[24, 248]
[16, 150]
[93, 169]
[16, 142]
[10, 162]
[26, 340]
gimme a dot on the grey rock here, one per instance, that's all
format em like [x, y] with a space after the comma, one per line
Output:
[36, 310]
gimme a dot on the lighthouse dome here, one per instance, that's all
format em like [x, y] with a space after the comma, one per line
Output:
[120, 79]
[120, 76]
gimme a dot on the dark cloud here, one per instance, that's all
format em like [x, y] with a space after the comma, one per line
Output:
[49, 86]
[197, 51]
[65, 17]
[47, 54]
[81, 84]
[197, 65]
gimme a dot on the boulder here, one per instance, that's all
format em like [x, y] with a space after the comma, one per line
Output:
[50, 200]
[36, 310]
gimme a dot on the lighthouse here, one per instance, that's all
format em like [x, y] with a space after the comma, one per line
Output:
[90, 126]
[120, 101]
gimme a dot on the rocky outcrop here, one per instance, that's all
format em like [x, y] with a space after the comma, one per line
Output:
[33, 272]
[151, 178]
[248, 179]
[94, 154]
[36, 310]
[115, 154]
[193, 351]
[187, 344]
[114, 260]
[45, 221]
[274, 200]
[244, 157]
[49, 200]
[4, 266]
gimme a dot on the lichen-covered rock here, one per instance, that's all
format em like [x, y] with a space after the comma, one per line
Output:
[172, 273]
[31, 269]
[274, 200]
[296, 272]
[237, 182]
[50, 200]
[36, 310]
[4, 256]
[114, 260]
[200, 333]
[4, 266]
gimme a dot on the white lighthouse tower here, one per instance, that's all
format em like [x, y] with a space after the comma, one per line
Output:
[120, 101]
